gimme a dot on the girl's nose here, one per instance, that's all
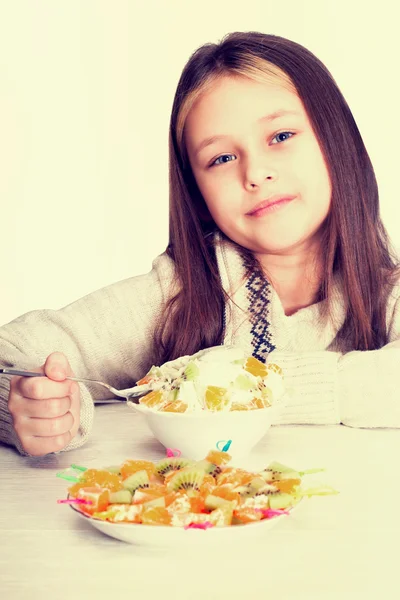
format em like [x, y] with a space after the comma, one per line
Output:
[258, 172]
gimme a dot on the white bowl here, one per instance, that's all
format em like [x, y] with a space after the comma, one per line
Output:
[195, 434]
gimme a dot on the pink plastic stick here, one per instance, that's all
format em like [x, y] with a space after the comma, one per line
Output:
[205, 525]
[74, 501]
[173, 452]
[269, 512]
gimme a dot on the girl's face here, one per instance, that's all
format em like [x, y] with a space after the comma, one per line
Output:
[258, 165]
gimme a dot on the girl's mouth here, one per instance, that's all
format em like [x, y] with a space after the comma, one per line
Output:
[270, 205]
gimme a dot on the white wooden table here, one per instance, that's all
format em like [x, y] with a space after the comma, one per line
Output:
[336, 547]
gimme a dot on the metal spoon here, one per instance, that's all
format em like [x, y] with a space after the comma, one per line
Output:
[133, 392]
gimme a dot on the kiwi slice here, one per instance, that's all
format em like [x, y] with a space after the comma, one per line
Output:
[243, 382]
[171, 464]
[121, 497]
[277, 471]
[172, 395]
[251, 489]
[189, 478]
[192, 371]
[266, 490]
[278, 500]
[208, 467]
[140, 479]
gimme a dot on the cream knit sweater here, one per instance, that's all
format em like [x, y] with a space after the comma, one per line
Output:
[107, 335]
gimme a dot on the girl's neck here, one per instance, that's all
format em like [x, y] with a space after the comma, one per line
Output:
[295, 277]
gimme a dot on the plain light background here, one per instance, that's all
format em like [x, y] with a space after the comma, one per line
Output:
[86, 89]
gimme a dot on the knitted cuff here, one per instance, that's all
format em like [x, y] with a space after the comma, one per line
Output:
[86, 420]
[368, 388]
[7, 431]
[311, 380]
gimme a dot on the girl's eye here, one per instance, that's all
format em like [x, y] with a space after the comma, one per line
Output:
[279, 137]
[221, 160]
[282, 137]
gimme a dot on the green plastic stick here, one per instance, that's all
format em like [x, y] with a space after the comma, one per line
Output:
[67, 477]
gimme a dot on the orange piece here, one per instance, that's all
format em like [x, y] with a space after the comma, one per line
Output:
[218, 458]
[97, 478]
[98, 497]
[183, 504]
[153, 399]
[234, 476]
[227, 493]
[286, 485]
[177, 407]
[189, 518]
[74, 489]
[239, 406]
[143, 495]
[216, 398]
[247, 515]
[144, 380]
[275, 368]
[255, 367]
[156, 516]
[121, 513]
[197, 504]
[172, 496]
[258, 403]
[133, 466]
[266, 396]
[208, 484]
[179, 505]
[222, 516]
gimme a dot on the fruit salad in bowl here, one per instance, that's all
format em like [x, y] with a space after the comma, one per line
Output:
[216, 395]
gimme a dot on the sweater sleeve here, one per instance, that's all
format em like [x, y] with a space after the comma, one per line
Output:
[106, 335]
[357, 388]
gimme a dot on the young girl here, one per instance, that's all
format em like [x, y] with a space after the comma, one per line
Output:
[276, 245]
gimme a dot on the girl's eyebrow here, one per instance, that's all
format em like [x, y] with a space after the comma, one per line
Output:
[267, 118]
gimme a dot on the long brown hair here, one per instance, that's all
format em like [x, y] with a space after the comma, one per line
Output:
[355, 242]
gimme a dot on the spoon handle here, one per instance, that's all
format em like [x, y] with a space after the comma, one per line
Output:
[9, 371]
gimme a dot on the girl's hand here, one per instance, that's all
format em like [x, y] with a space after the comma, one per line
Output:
[45, 410]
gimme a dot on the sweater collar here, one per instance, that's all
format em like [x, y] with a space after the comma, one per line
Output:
[254, 315]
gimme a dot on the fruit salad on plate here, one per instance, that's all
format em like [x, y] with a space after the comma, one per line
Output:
[221, 378]
[177, 492]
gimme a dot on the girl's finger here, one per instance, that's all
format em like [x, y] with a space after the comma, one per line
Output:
[39, 446]
[57, 366]
[44, 409]
[41, 388]
[46, 427]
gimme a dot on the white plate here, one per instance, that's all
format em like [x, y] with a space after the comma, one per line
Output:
[164, 536]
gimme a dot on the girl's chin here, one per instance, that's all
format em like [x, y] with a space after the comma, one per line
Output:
[277, 247]
[281, 242]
